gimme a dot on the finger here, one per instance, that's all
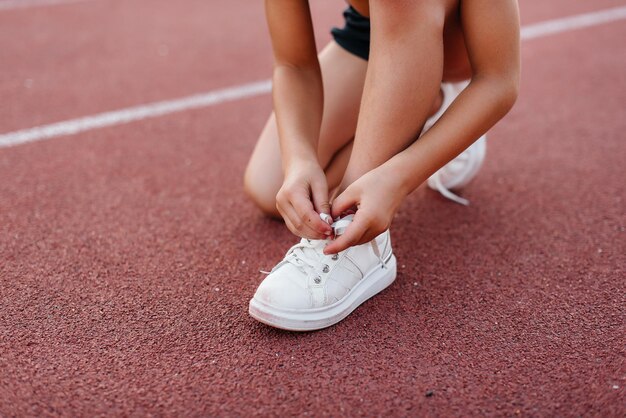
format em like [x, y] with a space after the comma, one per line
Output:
[369, 235]
[300, 228]
[286, 219]
[319, 191]
[284, 204]
[291, 228]
[346, 200]
[353, 236]
[308, 215]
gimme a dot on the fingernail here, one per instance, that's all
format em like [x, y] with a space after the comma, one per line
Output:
[327, 233]
[326, 218]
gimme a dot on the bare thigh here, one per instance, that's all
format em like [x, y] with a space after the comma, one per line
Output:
[343, 76]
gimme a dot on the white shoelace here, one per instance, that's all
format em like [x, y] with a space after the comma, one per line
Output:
[309, 254]
[446, 192]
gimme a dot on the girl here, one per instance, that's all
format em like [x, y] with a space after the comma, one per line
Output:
[345, 129]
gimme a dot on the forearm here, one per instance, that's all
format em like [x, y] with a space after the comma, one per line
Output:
[483, 103]
[298, 104]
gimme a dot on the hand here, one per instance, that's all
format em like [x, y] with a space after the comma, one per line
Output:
[376, 196]
[302, 197]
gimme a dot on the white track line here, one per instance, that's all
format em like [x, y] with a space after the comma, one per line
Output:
[130, 114]
[565, 24]
[212, 98]
[22, 4]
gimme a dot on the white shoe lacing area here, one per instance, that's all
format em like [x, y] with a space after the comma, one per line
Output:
[308, 255]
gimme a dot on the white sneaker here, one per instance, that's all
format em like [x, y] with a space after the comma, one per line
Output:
[309, 290]
[461, 170]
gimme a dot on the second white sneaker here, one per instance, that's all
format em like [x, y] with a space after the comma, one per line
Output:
[462, 169]
[309, 290]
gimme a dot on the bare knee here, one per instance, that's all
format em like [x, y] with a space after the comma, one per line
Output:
[263, 176]
[261, 194]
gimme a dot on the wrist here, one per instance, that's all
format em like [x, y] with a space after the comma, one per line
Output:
[404, 181]
[300, 161]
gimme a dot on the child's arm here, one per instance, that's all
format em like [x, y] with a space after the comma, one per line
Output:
[492, 37]
[298, 103]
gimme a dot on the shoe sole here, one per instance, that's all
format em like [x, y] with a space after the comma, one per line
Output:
[318, 318]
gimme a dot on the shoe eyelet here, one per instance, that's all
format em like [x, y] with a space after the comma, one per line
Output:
[335, 257]
[317, 280]
[326, 269]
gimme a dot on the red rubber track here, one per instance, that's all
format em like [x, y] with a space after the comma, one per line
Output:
[128, 254]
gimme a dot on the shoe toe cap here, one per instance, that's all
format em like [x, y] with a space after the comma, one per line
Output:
[281, 292]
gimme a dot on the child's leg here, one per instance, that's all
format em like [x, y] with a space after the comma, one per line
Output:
[343, 75]
[403, 81]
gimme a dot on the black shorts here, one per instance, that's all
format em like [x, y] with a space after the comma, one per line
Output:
[354, 37]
